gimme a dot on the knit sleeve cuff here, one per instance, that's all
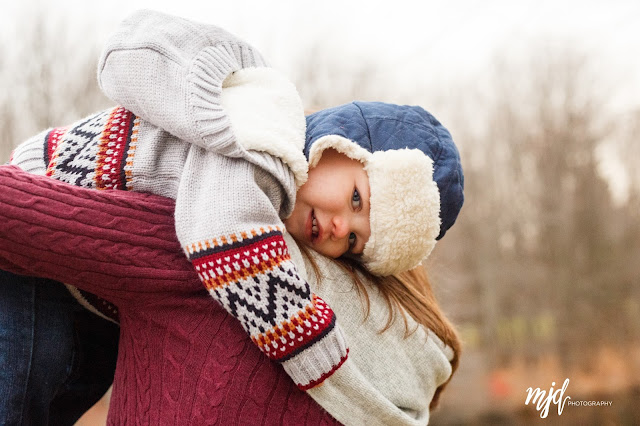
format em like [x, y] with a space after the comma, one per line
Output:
[352, 399]
[249, 109]
[318, 362]
[205, 97]
[31, 155]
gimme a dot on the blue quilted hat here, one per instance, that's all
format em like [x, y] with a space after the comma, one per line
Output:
[414, 172]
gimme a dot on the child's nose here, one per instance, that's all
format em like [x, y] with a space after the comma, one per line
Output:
[340, 228]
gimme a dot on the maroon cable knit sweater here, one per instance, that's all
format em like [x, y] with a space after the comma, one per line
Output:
[182, 359]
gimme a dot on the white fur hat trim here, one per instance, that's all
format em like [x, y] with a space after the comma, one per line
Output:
[405, 211]
[340, 144]
[405, 204]
[266, 114]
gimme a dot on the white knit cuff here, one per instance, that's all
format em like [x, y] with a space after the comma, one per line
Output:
[319, 361]
[30, 155]
[208, 72]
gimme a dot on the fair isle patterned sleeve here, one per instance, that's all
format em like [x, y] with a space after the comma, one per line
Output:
[230, 230]
[96, 152]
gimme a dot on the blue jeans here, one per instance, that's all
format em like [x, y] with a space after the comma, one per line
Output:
[56, 358]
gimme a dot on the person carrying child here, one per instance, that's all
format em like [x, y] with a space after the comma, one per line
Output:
[223, 135]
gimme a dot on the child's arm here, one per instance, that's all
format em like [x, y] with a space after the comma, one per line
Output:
[169, 71]
[238, 179]
[205, 86]
[227, 221]
[128, 247]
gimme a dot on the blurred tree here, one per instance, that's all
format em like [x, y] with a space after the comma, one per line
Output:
[327, 77]
[550, 237]
[49, 76]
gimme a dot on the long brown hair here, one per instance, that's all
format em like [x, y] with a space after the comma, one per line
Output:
[406, 293]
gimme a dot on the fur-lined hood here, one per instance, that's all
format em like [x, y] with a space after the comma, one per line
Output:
[414, 171]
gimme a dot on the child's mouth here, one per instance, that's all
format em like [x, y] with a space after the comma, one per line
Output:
[314, 226]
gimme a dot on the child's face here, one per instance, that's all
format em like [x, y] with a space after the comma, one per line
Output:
[331, 214]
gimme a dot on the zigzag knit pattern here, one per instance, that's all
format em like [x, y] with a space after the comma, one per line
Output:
[73, 156]
[252, 276]
[95, 153]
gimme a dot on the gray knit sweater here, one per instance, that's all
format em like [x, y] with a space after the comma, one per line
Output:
[225, 140]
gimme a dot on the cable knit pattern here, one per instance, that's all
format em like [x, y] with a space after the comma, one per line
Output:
[182, 359]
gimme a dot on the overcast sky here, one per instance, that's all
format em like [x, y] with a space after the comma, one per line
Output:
[446, 38]
[449, 39]
[459, 34]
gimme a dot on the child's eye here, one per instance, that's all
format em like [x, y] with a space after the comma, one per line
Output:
[352, 240]
[355, 199]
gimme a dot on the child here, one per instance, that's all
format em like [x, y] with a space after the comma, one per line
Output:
[396, 144]
[218, 142]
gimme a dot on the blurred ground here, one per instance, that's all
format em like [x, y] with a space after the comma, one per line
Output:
[481, 396]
